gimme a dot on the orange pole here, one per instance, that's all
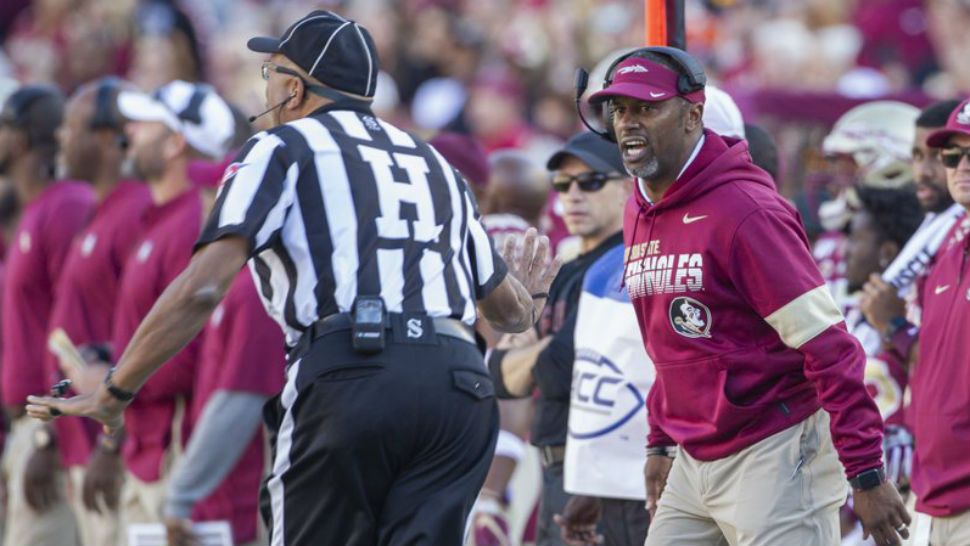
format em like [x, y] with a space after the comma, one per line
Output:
[655, 22]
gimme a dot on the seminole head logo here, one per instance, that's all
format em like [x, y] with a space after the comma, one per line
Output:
[963, 118]
[690, 318]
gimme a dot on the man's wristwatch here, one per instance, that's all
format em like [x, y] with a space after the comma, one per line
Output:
[116, 391]
[662, 451]
[869, 479]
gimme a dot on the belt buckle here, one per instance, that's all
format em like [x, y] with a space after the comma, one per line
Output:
[547, 456]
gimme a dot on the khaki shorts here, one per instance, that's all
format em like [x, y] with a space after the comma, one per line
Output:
[96, 529]
[24, 526]
[786, 489]
[144, 502]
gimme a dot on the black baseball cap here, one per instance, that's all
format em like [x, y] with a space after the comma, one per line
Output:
[336, 51]
[596, 152]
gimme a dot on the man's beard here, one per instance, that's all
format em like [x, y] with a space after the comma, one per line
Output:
[148, 169]
[646, 171]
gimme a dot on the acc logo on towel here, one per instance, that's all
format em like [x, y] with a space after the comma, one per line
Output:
[603, 399]
[690, 318]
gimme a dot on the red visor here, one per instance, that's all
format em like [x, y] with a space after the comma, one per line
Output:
[643, 79]
[958, 124]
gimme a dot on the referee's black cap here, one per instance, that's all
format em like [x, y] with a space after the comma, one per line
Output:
[336, 51]
[596, 152]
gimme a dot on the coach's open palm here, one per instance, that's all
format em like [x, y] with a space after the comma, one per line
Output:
[655, 478]
[882, 514]
[530, 261]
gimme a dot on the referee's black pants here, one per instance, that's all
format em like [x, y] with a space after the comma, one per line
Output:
[382, 450]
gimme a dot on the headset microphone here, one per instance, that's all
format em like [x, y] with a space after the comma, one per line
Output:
[280, 104]
[582, 81]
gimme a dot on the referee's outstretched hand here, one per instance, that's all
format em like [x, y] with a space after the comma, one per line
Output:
[530, 262]
[99, 405]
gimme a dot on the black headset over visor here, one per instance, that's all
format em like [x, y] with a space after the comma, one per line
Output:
[691, 77]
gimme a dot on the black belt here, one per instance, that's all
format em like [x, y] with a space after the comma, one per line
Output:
[443, 326]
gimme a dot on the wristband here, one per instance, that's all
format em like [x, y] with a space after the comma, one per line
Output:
[661, 451]
[509, 446]
[114, 390]
[895, 325]
[540, 295]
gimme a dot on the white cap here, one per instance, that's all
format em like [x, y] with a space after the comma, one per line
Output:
[194, 110]
[721, 113]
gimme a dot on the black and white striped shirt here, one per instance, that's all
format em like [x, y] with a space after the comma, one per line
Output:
[341, 204]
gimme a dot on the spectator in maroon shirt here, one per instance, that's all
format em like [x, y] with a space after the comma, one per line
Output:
[93, 148]
[940, 410]
[186, 121]
[53, 212]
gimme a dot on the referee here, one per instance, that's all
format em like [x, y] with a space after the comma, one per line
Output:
[367, 250]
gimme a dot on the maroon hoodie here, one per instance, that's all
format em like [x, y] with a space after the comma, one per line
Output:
[746, 339]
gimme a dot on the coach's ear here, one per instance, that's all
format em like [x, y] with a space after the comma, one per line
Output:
[694, 119]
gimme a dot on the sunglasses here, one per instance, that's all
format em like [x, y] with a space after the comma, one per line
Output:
[951, 157]
[588, 182]
[271, 66]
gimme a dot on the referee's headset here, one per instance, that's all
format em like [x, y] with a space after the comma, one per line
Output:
[691, 78]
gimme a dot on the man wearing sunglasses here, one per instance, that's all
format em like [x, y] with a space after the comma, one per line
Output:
[592, 186]
[940, 382]
[758, 385]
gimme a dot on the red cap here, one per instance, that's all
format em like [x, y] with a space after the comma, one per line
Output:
[465, 154]
[958, 124]
[643, 79]
[206, 173]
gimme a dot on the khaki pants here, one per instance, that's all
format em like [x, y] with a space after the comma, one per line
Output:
[144, 502]
[943, 531]
[95, 529]
[784, 490]
[24, 526]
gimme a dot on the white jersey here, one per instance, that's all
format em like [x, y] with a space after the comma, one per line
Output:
[611, 377]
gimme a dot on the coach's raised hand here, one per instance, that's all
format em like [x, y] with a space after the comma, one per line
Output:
[516, 303]
[529, 260]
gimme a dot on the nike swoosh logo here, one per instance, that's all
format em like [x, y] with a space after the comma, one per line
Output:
[656, 95]
[941, 289]
[689, 220]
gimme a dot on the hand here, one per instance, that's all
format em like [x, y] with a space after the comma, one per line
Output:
[655, 473]
[579, 520]
[527, 257]
[103, 478]
[40, 479]
[490, 527]
[880, 302]
[99, 405]
[179, 532]
[882, 514]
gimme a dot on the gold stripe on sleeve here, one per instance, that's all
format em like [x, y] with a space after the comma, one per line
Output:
[805, 317]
